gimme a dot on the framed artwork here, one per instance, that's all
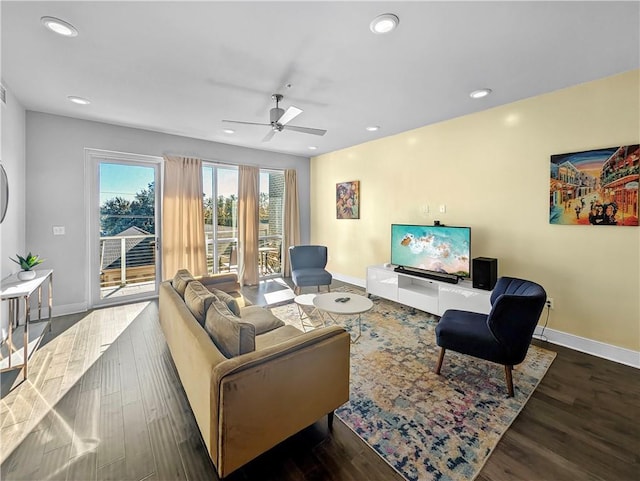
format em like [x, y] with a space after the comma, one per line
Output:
[348, 200]
[595, 187]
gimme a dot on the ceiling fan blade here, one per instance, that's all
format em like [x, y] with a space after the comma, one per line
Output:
[245, 123]
[291, 113]
[269, 135]
[305, 130]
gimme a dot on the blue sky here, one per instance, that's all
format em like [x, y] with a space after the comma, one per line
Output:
[119, 180]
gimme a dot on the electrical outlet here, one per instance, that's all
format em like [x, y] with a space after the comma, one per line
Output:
[549, 302]
[58, 230]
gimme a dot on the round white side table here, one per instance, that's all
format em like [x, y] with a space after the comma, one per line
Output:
[355, 305]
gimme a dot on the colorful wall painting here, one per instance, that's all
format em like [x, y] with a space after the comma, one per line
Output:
[348, 200]
[595, 187]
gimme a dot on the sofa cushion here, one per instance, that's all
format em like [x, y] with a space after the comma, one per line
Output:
[229, 333]
[180, 281]
[277, 336]
[261, 318]
[228, 299]
[198, 299]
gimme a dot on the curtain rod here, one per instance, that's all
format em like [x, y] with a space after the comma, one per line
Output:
[222, 162]
[212, 161]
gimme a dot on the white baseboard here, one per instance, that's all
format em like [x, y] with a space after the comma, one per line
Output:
[350, 280]
[577, 343]
[589, 346]
[62, 310]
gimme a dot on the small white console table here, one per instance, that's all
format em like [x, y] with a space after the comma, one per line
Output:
[427, 295]
[14, 290]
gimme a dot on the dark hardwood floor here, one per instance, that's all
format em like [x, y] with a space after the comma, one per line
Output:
[127, 418]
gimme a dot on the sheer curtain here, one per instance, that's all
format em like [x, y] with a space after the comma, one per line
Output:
[248, 221]
[183, 242]
[291, 233]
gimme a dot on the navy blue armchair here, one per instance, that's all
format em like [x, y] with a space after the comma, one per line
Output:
[504, 335]
[308, 267]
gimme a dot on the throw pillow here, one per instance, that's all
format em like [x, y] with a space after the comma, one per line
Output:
[228, 299]
[198, 299]
[232, 336]
[180, 281]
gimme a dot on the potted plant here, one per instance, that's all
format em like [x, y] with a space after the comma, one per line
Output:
[27, 263]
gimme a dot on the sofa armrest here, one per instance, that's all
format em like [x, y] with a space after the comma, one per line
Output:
[268, 395]
[195, 357]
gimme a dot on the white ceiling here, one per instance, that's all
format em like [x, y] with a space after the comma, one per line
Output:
[182, 67]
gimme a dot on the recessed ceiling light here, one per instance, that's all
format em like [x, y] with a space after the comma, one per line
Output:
[372, 128]
[478, 94]
[59, 26]
[229, 131]
[384, 23]
[313, 147]
[78, 100]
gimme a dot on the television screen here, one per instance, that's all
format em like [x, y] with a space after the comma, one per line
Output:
[432, 248]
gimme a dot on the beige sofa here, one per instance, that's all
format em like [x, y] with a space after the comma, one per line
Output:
[247, 404]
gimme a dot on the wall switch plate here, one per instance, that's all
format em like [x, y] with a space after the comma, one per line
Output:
[443, 208]
[58, 230]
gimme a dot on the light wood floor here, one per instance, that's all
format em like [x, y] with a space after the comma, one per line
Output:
[103, 402]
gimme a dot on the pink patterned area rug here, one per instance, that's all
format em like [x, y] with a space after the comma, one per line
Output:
[427, 427]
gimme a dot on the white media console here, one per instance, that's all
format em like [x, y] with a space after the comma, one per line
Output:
[426, 294]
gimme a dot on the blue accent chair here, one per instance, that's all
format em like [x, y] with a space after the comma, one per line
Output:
[308, 267]
[504, 335]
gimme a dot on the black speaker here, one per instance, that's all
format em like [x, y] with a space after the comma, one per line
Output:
[485, 272]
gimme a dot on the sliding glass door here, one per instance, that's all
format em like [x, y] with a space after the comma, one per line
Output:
[220, 203]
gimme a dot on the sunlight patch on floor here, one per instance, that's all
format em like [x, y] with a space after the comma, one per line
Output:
[57, 366]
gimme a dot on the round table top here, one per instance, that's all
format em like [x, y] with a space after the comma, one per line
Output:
[355, 305]
[305, 299]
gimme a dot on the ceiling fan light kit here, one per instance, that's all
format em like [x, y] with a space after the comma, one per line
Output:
[279, 119]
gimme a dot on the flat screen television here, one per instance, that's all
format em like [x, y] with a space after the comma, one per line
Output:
[437, 249]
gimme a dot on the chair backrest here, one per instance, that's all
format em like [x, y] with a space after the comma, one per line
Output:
[308, 256]
[516, 308]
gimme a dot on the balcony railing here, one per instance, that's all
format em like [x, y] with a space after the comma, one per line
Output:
[127, 260]
[130, 260]
[269, 255]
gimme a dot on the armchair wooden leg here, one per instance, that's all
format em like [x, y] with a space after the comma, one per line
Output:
[330, 420]
[507, 372]
[440, 359]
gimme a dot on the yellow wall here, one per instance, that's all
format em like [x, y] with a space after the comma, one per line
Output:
[491, 170]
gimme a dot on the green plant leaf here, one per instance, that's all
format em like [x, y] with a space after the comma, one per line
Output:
[29, 262]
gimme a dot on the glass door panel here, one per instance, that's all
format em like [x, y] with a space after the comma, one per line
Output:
[128, 254]
[271, 222]
[221, 217]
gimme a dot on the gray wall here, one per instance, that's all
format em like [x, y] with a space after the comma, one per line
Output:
[12, 230]
[55, 169]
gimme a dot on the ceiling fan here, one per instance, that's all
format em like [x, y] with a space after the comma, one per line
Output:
[279, 120]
